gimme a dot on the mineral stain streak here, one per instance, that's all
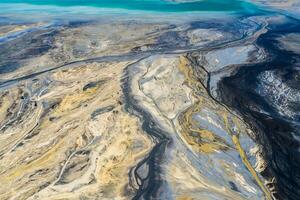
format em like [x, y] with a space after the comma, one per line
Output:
[147, 184]
[271, 92]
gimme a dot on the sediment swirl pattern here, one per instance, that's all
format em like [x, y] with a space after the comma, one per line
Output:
[132, 109]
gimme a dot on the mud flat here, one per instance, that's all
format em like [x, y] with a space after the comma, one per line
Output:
[137, 109]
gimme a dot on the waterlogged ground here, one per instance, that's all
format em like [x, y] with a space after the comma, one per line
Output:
[149, 100]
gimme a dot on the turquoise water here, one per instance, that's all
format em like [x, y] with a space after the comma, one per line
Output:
[147, 5]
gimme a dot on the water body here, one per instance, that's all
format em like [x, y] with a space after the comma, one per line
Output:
[147, 5]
